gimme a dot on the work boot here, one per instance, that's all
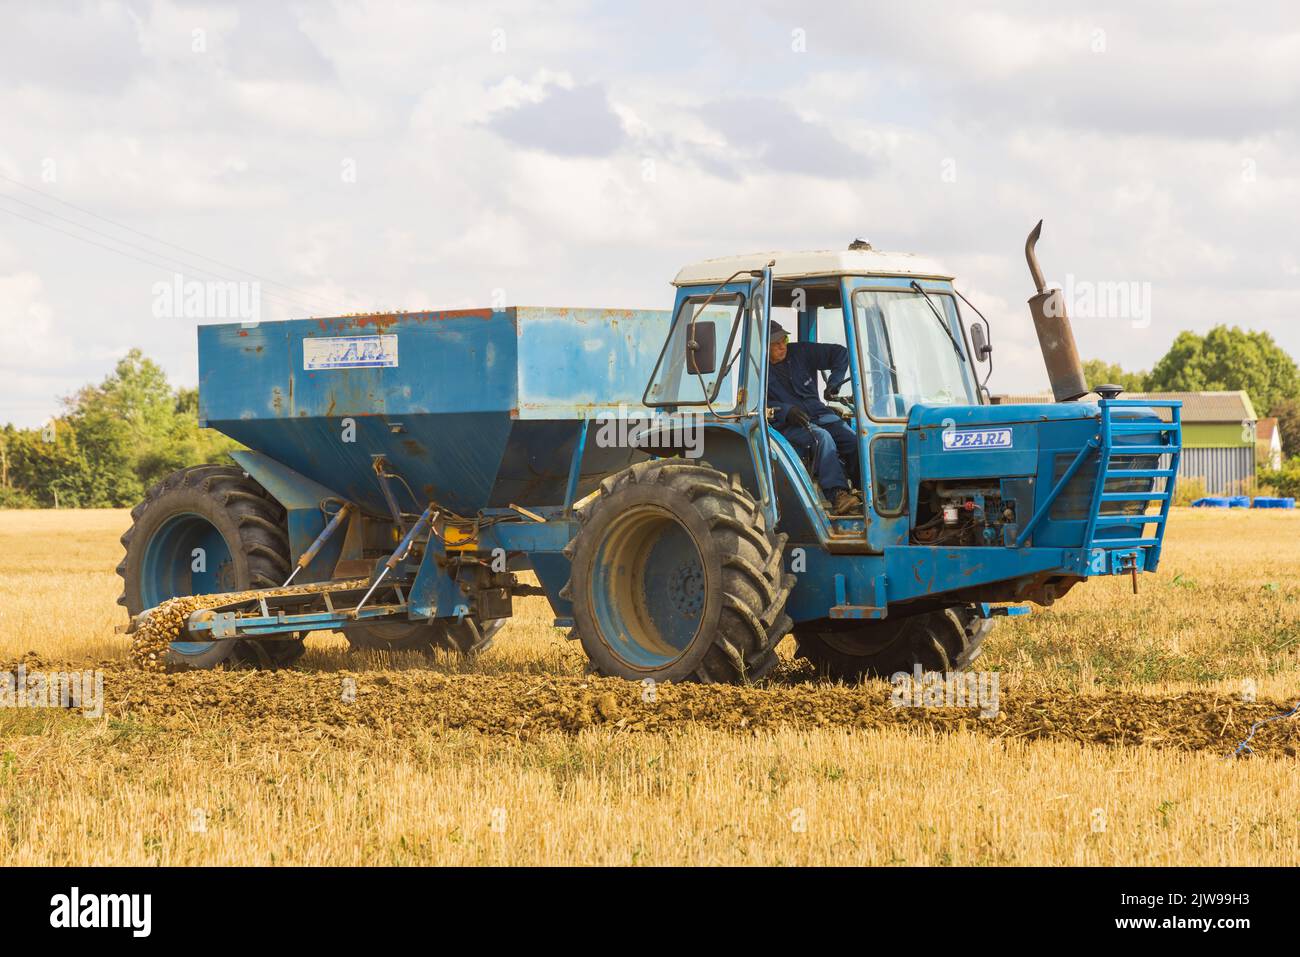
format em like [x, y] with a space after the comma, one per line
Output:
[846, 502]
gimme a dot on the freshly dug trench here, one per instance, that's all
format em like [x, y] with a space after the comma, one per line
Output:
[294, 706]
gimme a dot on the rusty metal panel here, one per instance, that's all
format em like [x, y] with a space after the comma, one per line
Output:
[585, 363]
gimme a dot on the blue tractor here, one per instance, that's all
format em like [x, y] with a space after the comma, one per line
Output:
[399, 470]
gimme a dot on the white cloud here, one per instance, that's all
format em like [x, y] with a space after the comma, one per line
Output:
[1167, 157]
[28, 337]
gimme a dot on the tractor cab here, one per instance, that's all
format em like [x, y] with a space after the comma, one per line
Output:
[892, 317]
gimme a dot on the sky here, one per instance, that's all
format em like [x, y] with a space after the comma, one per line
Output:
[357, 156]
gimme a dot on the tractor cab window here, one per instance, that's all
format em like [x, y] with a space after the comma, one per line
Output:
[820, 302]
[677, 380]
[909, 355]
[830, 328]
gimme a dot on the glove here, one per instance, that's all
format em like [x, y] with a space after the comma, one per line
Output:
[831, 394]
[797, 418]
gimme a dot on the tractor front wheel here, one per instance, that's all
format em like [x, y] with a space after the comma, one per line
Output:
[945, 640]
[675, 577]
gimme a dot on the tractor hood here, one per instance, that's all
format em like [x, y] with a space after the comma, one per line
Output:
[978, 475]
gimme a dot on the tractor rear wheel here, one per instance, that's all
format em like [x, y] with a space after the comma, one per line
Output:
[945, 640]
[466, 637]
[675, 577]
[204, 530]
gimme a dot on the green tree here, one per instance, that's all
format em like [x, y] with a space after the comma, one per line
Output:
[50, 467]
[115, 440]
[183, 442]
[1228, 359]
[1285, 480]
[1099, 372]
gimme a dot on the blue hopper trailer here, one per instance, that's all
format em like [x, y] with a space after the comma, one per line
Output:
[400, 470]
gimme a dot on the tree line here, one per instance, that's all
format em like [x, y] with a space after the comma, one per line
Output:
[1227, 359]
[113, 440]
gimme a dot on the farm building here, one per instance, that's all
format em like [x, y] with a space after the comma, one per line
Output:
[1219, 432]
[1268, 443]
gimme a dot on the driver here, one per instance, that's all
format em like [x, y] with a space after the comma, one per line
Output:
[799, 414]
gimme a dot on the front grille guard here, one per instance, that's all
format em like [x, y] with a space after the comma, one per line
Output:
[1109, 556]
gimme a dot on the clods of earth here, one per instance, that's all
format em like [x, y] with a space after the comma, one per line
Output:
[298, 704]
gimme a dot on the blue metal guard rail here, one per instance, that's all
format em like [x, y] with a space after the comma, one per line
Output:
[1172, 448]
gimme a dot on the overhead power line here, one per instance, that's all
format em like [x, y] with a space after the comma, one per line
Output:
[326, 303]
[169, 262]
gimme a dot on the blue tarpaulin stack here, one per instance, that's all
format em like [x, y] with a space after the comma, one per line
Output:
[1243, 501]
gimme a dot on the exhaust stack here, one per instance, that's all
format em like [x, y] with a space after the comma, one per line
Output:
[1055, 335]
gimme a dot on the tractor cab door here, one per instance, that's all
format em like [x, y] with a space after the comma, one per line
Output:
[755, 423]
[812, 312]
[712, 376]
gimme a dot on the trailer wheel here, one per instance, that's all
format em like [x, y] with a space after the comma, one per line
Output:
[200, 531]
[675, 577]
[946, 640]
[466, 637]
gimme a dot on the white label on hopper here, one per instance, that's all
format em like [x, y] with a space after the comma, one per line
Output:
[350, 352]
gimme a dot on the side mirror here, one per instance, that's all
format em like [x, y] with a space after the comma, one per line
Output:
[980, 341]
[701, 348]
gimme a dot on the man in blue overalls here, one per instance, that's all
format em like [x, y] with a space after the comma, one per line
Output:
[798, 412]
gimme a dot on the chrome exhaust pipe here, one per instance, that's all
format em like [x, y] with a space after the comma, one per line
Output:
[1055, 334]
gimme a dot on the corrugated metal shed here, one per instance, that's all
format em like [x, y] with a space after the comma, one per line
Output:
[1224, 471]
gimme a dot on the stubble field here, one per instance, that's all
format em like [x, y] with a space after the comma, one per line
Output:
[1116, 720]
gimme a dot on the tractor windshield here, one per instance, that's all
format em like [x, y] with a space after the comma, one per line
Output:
[909, 357]
[677, 382]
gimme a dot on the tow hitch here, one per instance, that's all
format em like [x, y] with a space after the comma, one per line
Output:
[1128, 563]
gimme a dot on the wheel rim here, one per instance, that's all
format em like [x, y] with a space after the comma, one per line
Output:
[168, 568]
[648, 588]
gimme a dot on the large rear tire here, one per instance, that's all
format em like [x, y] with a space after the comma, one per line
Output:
[675, 576]
[204, 530]
[946, 640]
